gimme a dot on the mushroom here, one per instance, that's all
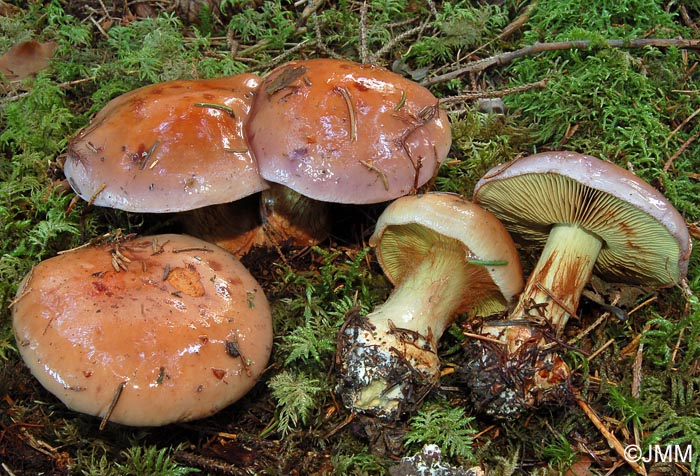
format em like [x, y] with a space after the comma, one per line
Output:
[144, 331]
[590, 216]
[172, 147]
[337, 131]
[445, 256]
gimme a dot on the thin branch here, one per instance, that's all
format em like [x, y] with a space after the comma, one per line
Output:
[685, 121]
[319, 38]
[680, 150]
[505, 58]
[608, 435]
[516, 24]
[402, 36]
[277, 60]
[491, 94]
[364, 56]
[65, 85]
[686, 18]
[310, 9]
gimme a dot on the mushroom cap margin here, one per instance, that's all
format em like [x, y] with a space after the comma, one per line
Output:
[168, 147]
[638, 201]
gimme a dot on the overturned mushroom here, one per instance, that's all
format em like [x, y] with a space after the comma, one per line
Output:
[335, 131]
[444, 256]
[172, 147]
[144, 331]
[590, 216]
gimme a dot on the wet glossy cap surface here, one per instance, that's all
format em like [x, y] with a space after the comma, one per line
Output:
[182, 328]
[342, 132]
[645, 239]
[168, 147]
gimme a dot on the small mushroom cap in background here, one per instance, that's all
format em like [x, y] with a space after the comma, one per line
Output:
[645, 239]
[338, 131]
[168, 147]
[172, 327]
[482, 235]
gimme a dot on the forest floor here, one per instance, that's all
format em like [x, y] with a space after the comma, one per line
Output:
[615, 80]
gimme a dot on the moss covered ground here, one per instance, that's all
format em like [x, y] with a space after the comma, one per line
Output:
[628, 91]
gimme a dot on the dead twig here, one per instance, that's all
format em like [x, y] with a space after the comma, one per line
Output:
[515, 25]
[400, 37]
[491, 94]
[686, 18]
[607, 434]
[505, 58]
[65, 85]
[364, 56]
[680, 150]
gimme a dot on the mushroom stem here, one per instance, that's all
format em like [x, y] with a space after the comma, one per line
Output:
[235, 227]
[389, 357]
[563, 269]
[276, 216]
[531, 373]
[426, 298]
[289, 216]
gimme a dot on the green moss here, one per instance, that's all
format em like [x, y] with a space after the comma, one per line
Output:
[446, 426]
[479, 142]
[552, 20]
[627, 105]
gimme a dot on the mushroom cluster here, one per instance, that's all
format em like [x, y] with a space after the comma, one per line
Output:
[311, 132]
[160, 329]
[446, 255]
[589, 216]
[119, 328]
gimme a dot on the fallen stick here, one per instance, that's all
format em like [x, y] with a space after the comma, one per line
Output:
[507, 57]
[607, 434]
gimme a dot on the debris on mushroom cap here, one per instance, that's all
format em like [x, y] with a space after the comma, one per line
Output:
[645, 239]
[144, 331]
[168, 147]
[483, 236]
[343, 132]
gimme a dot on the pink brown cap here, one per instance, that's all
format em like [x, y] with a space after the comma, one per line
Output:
[343, 132]
[168, 147]
[645, 239]
[145, 331]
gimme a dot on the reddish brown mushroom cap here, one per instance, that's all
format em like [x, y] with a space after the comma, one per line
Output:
[339, 131]
[168, 147]
[173, 327]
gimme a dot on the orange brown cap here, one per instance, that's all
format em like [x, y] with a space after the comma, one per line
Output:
[145, 331]
[168, 147]
[338, 131]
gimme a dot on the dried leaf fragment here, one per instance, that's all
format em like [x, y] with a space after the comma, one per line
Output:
[187, 281]
[26, 59]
